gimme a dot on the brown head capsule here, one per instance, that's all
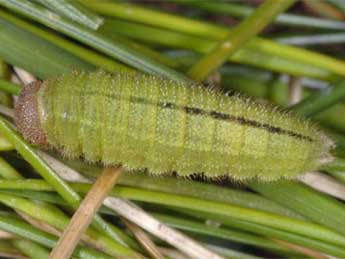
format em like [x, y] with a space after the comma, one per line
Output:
[27, 117]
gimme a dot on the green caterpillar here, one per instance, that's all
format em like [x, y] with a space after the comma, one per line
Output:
[144, 121]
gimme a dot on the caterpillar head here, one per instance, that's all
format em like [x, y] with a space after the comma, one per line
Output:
[27, 117]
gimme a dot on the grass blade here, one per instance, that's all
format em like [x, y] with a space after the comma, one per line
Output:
[9, 87]
[321, 100]
[273, 232]
[74, 11]
[245, 55]
[193, 226]
[22, 229]
[31, 249]
[30, 50]
[317, 39]
[54, 180]
[238, 36]
[93, 39]
[85, 54]
[242, 11]
[328, 212]
[267, 219]
[213, 32]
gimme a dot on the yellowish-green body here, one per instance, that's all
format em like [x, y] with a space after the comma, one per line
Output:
[142, 121]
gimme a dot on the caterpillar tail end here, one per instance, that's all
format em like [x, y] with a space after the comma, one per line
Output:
[27, 117]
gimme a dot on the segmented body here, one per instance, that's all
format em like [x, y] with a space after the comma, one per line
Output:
[142, 121]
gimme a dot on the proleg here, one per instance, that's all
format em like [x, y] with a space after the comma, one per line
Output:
[147, 122]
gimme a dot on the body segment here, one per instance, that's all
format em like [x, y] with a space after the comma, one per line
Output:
[142, 121]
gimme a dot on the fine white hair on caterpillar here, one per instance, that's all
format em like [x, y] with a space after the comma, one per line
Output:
[148, 122]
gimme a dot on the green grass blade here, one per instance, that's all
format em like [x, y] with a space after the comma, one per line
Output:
[267, 219]
[93, 39]
[183, 224]
[244, 55]
[337, 165]
[8, 172]
[241, 11]
[50, 214]
[74, 11]
[204, 191]
[174, 186]
[316, 206]
[217, 232]
[5, 74]
[328, 211]
[48, 197]
[44, 169]
[238, 36]
[5, 145]
[88, 54]
[53, 216]
[156, 55]
[213, 32]
[68, 194]
[31, 249]
[85, 54]
[273, 233]
[229, 253]
[321, 100]
[309, 40]
[9, 87]
[340, 175]
[43, 59]
[194, 189]
[47, 213]
[22, 229]
[308, 241]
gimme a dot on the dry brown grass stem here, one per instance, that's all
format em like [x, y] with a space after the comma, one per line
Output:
[324, 183]
[85, 213]
[295, 91]
[303, 250]
[135, 214]
[144, 240]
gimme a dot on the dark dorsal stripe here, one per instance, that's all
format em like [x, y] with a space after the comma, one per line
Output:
[219, 116]
[257, 124]
[240, 120]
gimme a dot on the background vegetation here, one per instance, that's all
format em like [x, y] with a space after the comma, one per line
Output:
[295, 60]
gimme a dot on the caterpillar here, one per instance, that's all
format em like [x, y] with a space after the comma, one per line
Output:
[147, 122]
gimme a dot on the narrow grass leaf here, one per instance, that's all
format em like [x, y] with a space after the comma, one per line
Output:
[242, 11]
[210, 31]
[83, 53]
[318, 207]
[93, 39]
[74, 11]
[23, 229]
[31, 249]
[245, 55]
[43, 59]
[9, 87]
[321, 100]
[237, 38]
